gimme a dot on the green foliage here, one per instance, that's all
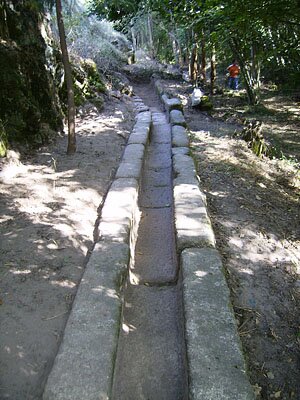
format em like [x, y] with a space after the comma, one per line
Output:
[206, 104]
[118, 11]
[263, 34]
[88, 84]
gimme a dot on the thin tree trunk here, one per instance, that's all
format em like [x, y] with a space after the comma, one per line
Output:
[213, 70]
[131, 57]
[193, 68]
[175, 49]
[180, 56]
[69, 82]
[194, 64]
[253, 94]
[150, 32]
[134, 39]
[203, 58]
[4, 33]
[255, 67]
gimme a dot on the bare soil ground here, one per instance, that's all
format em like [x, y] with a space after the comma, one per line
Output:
[254, 205]
[49, 210]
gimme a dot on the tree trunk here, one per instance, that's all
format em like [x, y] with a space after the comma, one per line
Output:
[150, 32]
[69, 82]
[180, 56]
[213, 70]
[134, 39]
[255, 67]
[175, 48]
[203, 58]
[3, 24]
[194, 64]
[252, 92]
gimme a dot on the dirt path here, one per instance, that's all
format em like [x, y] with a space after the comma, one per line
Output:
[49, 204]
[255, 209]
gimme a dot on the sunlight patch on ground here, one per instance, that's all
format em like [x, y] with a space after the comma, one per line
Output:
[127, 328]
[64, 283]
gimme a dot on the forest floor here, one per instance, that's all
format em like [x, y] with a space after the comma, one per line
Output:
[49, 212]
[254, 205]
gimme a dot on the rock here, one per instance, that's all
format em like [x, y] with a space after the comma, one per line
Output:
[196, 97]
[116, 93]
[171, 104]
[179, 136]
[177, 118]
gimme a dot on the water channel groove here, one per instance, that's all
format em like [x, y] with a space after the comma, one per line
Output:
[151, 360]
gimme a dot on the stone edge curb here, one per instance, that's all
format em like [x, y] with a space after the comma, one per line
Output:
[216, 364]
[84, 365]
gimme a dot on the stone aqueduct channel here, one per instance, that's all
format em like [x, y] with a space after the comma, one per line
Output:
[152, 317]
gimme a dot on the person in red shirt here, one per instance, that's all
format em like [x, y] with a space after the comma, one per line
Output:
[234, 71]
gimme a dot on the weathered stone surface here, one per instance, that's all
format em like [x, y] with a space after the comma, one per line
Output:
[130, 169]
[177, 118]
[141, 127]
[216, 366]
[180, 150]
[156, 196]
[140, 133]
[159, 118]
[142, 109]
[158, 177]
[83, 367]
[159, 87]
[119, 210]
[161, 135]
[171, 104]
[201, 236]
[186, 178]
[139, 137]
[183, 165]
[150, 358]
[155, 263]
[159, 159]
[189, 194]
[192, 223]
[179, 136]
[158, 148]
[144, 117]
[184, 169]
[133, 151]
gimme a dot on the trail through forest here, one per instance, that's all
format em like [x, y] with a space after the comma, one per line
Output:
[48, 215]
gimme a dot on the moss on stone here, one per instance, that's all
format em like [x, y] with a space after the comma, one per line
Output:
[28, 96]
[206, 104]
